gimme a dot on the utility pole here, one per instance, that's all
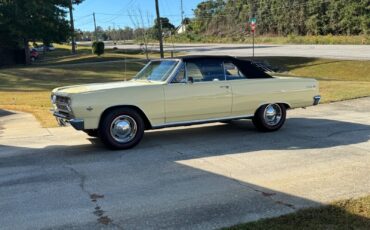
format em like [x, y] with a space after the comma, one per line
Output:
[114, 32]
[72, 27]
[159, 29]
[96, 35]
[182, 12]
[253, 43]
[253, 24]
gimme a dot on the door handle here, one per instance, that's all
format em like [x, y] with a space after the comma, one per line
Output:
[224, 86]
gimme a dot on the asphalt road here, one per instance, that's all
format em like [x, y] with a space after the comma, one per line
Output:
[350, 52]
[203, 177]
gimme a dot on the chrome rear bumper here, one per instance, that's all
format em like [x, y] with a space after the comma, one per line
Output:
[316, 99]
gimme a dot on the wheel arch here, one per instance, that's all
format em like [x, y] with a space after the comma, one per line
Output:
[285, 104]
[147, 123]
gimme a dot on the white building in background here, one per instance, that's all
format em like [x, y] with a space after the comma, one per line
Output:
[181, 29]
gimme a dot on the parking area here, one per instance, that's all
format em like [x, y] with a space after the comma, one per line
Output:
[199, 177]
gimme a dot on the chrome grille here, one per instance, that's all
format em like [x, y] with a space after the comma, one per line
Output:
[61, 104]
[62, 107]
[61, 100]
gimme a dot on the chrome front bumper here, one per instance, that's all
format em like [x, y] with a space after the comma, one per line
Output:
[316, 99]
[63, 120]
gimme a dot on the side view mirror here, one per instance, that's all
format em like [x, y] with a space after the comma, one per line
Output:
[190, 80]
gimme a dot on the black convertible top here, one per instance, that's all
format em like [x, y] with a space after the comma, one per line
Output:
[247, 67]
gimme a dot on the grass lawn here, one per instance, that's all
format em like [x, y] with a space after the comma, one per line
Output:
[28, 88]
[62, 55]
[345, 214]
[339, 79]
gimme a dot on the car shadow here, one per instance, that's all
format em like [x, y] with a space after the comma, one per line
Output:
[240, 136]
[217, 139]
[153, 175]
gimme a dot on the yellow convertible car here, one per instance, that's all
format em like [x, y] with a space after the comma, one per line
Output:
[182, 91]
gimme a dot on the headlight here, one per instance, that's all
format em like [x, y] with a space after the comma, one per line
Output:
[69, 104]
[53, 98]
[62, 103]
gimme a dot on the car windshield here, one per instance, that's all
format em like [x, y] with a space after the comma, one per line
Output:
[157, 70]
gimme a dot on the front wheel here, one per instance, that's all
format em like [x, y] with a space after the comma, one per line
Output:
[121, 128]
[270, 117]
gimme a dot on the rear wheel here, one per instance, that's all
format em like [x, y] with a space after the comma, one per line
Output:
[121, 128]
[270, 117]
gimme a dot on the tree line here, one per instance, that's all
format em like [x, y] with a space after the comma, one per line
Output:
[282, 17]
[24, 21]
[127, 33]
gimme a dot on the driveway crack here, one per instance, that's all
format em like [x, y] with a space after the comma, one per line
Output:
[94, 198]
[269, 195]
[81, 176]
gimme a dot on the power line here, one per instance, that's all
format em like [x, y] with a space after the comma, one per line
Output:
[199, 17]
[84, 21]
[88, 23]
[168, 15]
[82, 17]
[122, 9]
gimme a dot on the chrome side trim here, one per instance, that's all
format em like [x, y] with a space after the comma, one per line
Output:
[195, 122]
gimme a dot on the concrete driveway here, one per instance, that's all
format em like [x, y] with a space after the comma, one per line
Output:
[203, 177]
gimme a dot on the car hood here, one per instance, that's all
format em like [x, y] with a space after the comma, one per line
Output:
[75, 89]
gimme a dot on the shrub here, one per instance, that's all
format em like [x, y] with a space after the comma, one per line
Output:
[98, 48]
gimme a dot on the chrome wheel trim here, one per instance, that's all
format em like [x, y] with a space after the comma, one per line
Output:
[123, 129]
[272, 114]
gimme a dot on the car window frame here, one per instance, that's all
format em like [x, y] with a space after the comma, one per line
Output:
[182, 64]
[172, 74]
[245, 77]
[202, 82]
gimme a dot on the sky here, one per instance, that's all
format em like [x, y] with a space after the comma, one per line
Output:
[116, 13]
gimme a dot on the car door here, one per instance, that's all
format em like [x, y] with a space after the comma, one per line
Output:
[198, 92]
[248, 92]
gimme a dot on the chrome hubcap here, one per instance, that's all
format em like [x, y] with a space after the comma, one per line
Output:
[272, 114]
[123, 128]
